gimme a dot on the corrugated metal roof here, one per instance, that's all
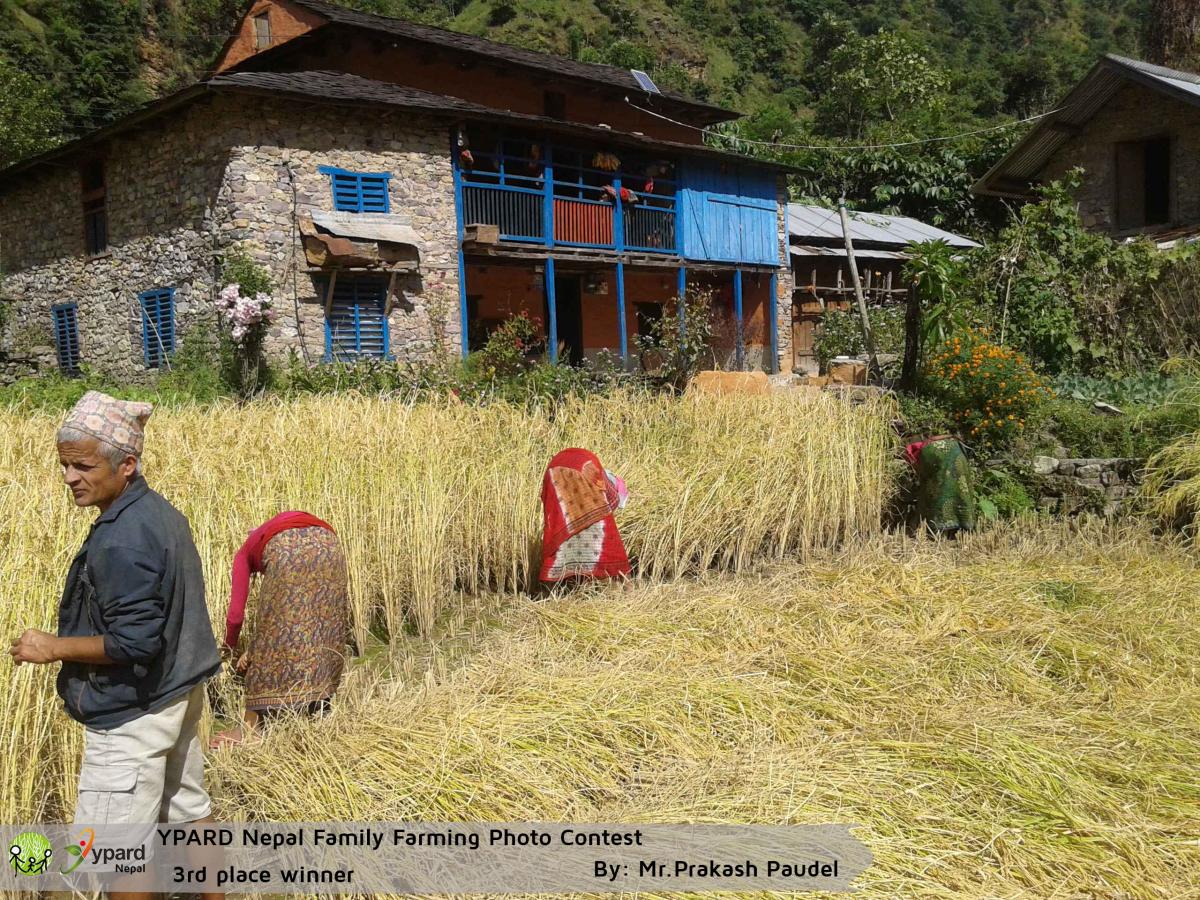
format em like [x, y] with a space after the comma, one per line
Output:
[815, 222]
[1026, 160]
[807, 252]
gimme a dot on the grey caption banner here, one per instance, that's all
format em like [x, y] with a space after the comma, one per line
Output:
[422, 858]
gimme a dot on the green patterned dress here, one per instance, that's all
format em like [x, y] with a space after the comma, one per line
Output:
[945, 496]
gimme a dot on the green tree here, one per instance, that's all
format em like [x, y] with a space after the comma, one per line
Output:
[1175, 33]
[885, 78]
[30, 120]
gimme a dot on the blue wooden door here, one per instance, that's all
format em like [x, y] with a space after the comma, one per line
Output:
[729, 213]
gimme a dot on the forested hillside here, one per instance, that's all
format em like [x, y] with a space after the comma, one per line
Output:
[806, 71]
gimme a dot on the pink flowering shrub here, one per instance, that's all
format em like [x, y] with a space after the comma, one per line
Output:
[246, 316]
[245, 311]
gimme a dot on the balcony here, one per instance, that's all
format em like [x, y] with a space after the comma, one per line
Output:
[537, 193]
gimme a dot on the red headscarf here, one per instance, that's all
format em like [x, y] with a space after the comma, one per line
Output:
[577, 494]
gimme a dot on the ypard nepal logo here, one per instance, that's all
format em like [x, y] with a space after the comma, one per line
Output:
[30, 853]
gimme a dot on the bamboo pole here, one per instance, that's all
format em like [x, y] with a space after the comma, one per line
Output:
[864, 319]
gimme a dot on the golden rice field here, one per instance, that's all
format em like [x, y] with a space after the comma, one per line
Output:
[431, 500]
[1018, 716]
[1015, 715]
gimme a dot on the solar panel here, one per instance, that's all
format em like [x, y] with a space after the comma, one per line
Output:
[644, 81]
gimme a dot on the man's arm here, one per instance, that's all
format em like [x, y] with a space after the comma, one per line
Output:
[132, 608]
[39, 648]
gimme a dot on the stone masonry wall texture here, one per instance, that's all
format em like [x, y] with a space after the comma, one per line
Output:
[1134, 113]
[161, 188]
[230, 172]
[1069, 486]
[268, 180]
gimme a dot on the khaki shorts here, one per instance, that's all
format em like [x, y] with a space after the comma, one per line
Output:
[146, 771]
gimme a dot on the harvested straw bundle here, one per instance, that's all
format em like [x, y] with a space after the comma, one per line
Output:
[1018, 715]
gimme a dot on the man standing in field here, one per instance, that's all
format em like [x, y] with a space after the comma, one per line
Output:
[134, 637]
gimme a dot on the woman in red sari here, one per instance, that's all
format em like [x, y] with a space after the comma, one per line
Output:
[296, 657]
[579, 534]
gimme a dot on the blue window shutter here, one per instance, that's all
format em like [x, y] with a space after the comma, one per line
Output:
[358, 191]
[66, 337]
[158, 325]
[356, 326]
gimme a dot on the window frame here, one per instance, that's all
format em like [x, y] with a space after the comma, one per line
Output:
[94, 207]
[155, 353]
[262, 19]
[351, 357]
[62, 322]
[345, 185]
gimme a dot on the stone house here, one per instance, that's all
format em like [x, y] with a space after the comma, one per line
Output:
[1134, 128]
[404, 186]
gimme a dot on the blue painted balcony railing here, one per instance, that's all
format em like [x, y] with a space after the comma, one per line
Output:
[557, 200]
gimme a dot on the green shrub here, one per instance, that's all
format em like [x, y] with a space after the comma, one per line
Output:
[506, 351]
[1002, 494]
[923, 418]
[990, 391]
[1139, 433]
[54, 392]
[1144, 390]
[682, 338]
[840, 333]
[237, 267]
[198, 371]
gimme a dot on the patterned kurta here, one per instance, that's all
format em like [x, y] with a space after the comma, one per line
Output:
[301, 625]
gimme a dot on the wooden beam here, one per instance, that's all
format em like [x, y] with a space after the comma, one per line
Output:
[552, 309]
[1010, 187]
[329, 293]
[865, 321]
[739, 336]
[391, 292]
[621, 325]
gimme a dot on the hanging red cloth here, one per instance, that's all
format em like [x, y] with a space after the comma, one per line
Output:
[579, 534]
[250, 559]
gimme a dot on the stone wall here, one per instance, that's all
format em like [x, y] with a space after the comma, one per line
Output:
[161, 188]
[273, 175]
[1134, 113]
[35, 361]
[1070, 486]
[785, 284]
[232, 171]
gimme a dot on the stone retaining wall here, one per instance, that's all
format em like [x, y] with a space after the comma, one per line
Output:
[1071, 486]
[37, 361]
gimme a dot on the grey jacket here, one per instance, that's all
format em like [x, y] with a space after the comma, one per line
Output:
[137, 582]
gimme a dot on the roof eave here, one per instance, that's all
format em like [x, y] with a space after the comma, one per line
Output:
[122, 125]
[986, 186]
[520, 119]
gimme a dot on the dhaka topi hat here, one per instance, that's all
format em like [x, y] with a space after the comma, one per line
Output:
[118, 423]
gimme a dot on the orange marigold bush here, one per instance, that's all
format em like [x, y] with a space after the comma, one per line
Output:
[990, 391]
